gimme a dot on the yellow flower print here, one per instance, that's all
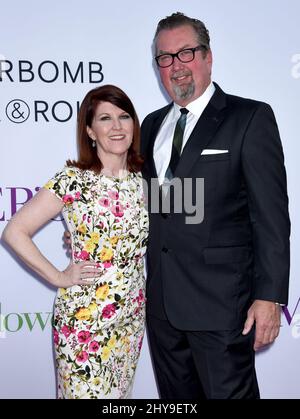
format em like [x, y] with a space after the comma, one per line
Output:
[83, 314]
[114, 240]
[78, 388]
[89, 246]
[112, 342]
[95, 237]
[71, 173]
[96, 381]
[102, 291]
[105, 353]
[93, 308]
[63, 294]
[82, 229]
[126, 343]
[106, 254]
[66, 377]
[62, 291]
[75, 219]
[49, 185]
[119, 276]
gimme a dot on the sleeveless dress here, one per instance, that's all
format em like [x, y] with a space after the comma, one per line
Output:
[98, 329]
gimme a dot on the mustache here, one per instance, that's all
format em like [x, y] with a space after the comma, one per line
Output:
[180, 74]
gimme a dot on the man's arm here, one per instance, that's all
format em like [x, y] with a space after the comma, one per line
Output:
[263, 168]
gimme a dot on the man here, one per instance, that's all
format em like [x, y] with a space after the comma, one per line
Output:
[214, 288]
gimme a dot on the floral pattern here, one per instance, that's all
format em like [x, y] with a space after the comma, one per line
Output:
[98, 329]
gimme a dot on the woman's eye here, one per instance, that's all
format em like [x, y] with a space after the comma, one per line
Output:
[104, 118]
[125, 116]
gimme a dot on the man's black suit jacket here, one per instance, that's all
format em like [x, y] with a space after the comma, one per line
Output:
[205, 276]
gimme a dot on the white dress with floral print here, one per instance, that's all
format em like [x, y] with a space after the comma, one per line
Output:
[98, 329]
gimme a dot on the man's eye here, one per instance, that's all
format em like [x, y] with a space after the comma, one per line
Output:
[185, 52]
[165, 57]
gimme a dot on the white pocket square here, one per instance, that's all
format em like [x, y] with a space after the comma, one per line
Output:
[213, 151]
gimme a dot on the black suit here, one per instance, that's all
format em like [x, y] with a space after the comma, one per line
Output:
[204, 277]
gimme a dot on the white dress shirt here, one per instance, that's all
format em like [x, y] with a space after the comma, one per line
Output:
[163, 143]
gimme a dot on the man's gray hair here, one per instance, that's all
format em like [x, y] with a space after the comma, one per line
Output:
[179, 19]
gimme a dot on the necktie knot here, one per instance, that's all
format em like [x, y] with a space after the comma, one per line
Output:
[184, 111]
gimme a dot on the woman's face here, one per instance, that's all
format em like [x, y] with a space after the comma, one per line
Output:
[112, 129]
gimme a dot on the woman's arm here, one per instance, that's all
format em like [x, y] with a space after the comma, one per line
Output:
[25, 223]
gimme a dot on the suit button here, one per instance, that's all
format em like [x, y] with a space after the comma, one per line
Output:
[165, 249]
[164, 215]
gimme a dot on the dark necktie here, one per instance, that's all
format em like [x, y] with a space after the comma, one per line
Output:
[177, 144]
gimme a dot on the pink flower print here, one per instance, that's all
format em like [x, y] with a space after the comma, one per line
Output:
[94, 346]
[77, 195]
[100, 225]
[137, 257]
[139, 300]
[106, 265]
[55, 336]
[141, 297]
[84, 336]
[108, 311]
[83, 217]
[82, 357]
[113, 195]
[66, 331]
[84, 255]
[140, 343]
[68, 199]
[117, 210]
[104, 202]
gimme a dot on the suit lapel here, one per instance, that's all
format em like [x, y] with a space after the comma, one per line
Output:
[203, 132]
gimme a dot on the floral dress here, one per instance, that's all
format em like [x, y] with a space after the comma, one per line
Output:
[98, 329]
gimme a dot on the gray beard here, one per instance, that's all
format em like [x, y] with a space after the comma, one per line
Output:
[184, 92]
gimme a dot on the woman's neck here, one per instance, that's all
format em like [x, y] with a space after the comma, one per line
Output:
[114, 166]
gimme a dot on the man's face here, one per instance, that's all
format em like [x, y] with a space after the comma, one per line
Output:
[184, 82]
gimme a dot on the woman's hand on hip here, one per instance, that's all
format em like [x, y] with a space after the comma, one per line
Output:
[82, 273]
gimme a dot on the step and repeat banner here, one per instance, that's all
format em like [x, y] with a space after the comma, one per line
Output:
[51, 54]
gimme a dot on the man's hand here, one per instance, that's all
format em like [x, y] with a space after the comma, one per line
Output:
[67, 242]
[266, 316]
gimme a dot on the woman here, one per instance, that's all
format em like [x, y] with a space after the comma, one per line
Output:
[99, 308]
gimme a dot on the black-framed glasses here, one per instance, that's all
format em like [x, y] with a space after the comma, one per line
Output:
[185, 56]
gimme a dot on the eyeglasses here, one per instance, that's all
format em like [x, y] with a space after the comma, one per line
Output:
[185, 56]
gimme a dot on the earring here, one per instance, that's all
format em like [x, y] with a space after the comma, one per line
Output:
[93, 143]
